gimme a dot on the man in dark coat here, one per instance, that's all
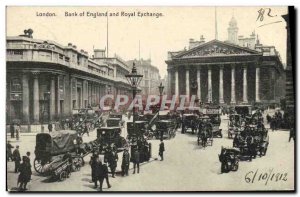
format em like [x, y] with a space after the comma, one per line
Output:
[125, 162]
[161, 149]
[28, 156]
[50, 127]
[25, 173]
[103, 174]
[136, 161]
[113, 162]
[94, 163]
[17, 158]
[292, 134]
[9, 152]
[12, 130]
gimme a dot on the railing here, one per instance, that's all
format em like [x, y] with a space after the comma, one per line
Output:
[57, 60]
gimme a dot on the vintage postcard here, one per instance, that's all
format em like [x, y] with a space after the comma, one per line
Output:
[150, 99]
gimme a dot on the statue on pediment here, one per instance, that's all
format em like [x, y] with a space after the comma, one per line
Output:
[216, 50]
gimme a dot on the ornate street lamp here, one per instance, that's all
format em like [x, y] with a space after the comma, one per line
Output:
[161, 89]
[134, 80]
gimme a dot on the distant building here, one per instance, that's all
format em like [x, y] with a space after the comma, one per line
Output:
[239, 70]
[151, 78]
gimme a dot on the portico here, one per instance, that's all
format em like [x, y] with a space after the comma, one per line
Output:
[225, 74]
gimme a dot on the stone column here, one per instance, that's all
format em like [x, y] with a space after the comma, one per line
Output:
[233, 85]
[245, 86]
[36, 99]
[52, 98]
[176, 82]
[187, 84]
[221, 86]
[25, 98]
[169, 82]
[209, 95]
[257, 75]
[199, 84]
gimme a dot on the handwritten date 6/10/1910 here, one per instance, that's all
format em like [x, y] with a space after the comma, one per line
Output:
[265, 176]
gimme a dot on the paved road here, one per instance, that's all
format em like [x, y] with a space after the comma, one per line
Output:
[186, 167]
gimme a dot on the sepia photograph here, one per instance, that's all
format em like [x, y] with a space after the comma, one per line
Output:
[150, 99]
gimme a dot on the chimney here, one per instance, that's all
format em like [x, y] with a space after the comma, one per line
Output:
[99, 53]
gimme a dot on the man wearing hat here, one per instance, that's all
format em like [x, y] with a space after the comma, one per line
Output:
[161, 149]
[17, 158]
[8, 151]
[125, 162]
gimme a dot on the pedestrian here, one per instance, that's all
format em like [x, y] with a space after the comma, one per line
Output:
[50, 127]
[125, 162]
[204, 138]
[86, 129]
[113, 162]
[161, 149]
[103, 174]
[136, 161]
[25, 173]
[292, 134]
[12, 130]
[28, 156]
[94, 163]
[8, 151]
[17, 158]
[18, 129]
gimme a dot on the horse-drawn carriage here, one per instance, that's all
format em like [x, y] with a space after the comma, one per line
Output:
[165, 129]
[229, 159]
[51, 148]
[205, 132]
[137, 136]
[214, 114]
[108, 136]
[86, 119]
[190, 121]
[115, 120]
[252, 141]
[243, 110]
[234, 125]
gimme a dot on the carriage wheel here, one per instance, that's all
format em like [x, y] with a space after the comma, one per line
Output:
[235, 167]
[63, 176]
[38, 166]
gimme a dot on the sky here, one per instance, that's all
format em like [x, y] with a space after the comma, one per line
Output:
[157, 36]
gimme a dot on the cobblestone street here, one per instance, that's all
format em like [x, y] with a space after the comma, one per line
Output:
[185, 163]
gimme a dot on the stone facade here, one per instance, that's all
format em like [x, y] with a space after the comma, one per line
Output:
[47, 81]
[226, 73]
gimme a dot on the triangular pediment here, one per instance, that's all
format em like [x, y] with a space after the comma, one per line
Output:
[216, 48]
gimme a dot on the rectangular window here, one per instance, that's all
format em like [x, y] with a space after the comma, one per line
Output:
[16, 85]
